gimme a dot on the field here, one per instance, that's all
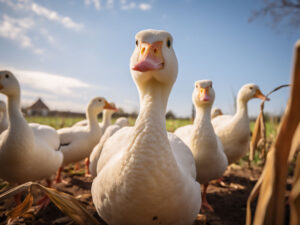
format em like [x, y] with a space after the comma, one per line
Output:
[228, 198]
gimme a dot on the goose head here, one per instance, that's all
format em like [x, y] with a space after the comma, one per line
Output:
[98, 104]
[154, 58]
[112, 109]
[250, 91]
[9, 84]
[203, 94]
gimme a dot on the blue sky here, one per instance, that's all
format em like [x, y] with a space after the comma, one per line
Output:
[70, 51]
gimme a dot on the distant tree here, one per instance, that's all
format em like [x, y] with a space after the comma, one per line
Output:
[170, 115]
[279, 11]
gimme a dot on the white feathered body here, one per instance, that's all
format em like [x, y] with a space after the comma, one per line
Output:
[78, 142]
[234, 133]
[94, 156]
[28, 153]
[146, 179]
[207, 149]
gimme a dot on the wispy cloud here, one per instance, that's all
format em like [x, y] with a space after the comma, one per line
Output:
[145, 6]
[123, 4]
[39, 10]
[17, 31]
[96, 3]
[59, 91]
[44, 32]
[54, 16]
[47, 82]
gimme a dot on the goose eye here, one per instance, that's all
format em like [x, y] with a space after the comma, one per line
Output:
[250, 88]
[168, 43]
[6, 76]
[136, 42]
[100, 100]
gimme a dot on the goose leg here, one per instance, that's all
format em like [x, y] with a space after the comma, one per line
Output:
[87, 167]
[44, 201]
[58, 176]
[205, 204]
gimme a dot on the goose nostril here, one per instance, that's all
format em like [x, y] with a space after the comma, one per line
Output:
[155, 50]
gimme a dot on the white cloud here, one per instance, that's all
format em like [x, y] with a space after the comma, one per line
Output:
[96, 3]
[51, 83]
[47, 35]
[110, 4]
[54, 16]
[31, 6]
[128, 6]
[124, 4]
[16, 29]
[145, 6]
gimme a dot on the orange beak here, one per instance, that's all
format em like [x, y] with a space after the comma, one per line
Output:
[150, 57]
[204, 94]
[109, 106]
[260, 95]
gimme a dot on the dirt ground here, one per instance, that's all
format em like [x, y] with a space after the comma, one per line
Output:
[228, 200]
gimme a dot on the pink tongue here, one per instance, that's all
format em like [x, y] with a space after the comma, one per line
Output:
[147, 64]
[205, 98]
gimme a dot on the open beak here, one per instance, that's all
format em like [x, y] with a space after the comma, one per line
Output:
[260, 95]
[109, 106]
[150, 57]
[204, 94]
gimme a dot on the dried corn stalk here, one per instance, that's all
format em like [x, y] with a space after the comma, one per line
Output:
[270, 205]
[259, 131]
[66, 203]
[295, 193]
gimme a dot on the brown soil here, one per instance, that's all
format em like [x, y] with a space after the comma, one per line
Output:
[228, 200]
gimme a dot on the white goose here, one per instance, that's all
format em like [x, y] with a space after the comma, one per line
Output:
[3, 117]
[216, 112]
[106, 119]
[94, 157]
[211, 161]
[234, 131]
[147, 176]
[78, 142]
[27, 151]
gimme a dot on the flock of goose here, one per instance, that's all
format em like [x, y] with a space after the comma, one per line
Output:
[142, 173]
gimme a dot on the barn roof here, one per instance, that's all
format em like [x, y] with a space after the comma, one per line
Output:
[38, 105]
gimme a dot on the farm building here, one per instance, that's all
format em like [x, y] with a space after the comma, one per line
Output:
[39, 108]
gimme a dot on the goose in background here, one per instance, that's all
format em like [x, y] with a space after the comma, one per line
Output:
[3, 117]
[94, 157]
[234, 130]
[106, 118]
[28, 152]
[77, 142]
[216, 112]
[207, 149]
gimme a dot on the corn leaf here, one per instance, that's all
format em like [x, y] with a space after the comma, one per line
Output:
[270, 205]
[22, 208]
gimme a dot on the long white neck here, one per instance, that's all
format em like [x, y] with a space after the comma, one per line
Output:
[18, 126]
[92, 119]
[203, 115]
[202, 128]
[106, 119]
[149, 140]
[241, 108]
